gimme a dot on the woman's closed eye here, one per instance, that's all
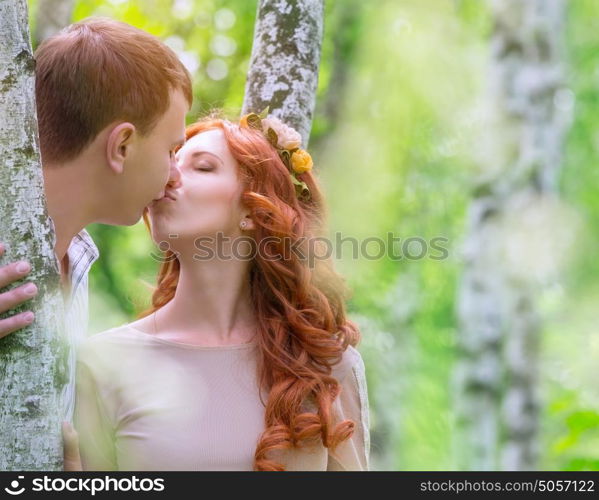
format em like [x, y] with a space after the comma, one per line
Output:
[204, 165]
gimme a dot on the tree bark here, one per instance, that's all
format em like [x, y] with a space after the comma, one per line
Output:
[285, 59]
[497, 402]
[52, 16]
[32, 361]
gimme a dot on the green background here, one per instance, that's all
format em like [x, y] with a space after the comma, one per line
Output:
[396, 120]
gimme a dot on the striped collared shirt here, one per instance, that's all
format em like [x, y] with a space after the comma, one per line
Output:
[82, 254]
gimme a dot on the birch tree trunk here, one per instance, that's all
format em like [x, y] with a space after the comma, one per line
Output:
[285, 59]
[52, 16]
[512, 210]
[32, 361]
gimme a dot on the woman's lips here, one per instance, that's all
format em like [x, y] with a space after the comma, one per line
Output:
[166, 196]
[164, 199]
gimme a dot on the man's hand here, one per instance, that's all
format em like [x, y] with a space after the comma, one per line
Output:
[16, 296]
[72, 459]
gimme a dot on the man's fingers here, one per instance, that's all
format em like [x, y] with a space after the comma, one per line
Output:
[16, 322]
[72, 459]
[71, 440]
[13, 272]
[11, 299]
[14, 297]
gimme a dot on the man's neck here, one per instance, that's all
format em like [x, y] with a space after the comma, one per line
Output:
[64, 235]
[69, 203]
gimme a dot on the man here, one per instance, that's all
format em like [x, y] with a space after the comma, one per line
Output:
[111, 104]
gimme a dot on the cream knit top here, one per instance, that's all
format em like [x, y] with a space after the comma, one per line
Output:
[146, 403]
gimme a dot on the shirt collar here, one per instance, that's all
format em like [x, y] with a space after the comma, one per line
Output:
[85, 241]
[82, 253]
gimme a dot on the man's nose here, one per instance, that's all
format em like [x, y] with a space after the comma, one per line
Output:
[174, 178]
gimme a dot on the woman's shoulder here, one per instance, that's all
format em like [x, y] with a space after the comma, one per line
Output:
[107, 344]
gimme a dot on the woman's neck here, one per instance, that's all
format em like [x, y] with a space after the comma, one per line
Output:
[212, 303]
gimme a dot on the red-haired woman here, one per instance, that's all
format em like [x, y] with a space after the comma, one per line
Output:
[246, 359]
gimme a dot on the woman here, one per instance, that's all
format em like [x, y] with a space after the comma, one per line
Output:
[246, 359]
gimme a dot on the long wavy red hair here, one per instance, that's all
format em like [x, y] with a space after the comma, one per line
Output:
[300, 308]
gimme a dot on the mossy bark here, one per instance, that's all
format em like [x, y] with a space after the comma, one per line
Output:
[33, 360]
[285, 60]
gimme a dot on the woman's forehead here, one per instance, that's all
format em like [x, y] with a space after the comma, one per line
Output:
[212, 141]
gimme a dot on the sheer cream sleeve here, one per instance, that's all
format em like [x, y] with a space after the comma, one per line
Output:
[91, 419]
[352, 403]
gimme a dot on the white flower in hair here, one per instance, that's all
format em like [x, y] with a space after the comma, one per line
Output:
[288, 137]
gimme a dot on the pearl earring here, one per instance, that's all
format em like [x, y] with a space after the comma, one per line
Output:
[243, 224]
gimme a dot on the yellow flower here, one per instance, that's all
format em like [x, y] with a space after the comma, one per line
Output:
[243, 122]
[301, 161]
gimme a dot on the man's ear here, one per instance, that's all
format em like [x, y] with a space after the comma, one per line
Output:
[118, 146]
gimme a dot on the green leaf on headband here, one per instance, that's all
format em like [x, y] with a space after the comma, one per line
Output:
[301, 189]
[264, 113]
[272, 137]
[254, 121]
[286, 157]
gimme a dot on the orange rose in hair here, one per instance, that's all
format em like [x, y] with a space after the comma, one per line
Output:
[301, 161]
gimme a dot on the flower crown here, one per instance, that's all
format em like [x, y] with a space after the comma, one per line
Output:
[287, 142]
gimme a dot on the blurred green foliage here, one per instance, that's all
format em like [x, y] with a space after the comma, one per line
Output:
[396, 118]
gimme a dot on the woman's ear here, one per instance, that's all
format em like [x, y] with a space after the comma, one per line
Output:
[247, 223]
[118, 146]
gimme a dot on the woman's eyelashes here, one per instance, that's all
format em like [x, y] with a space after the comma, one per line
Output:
[204, 165]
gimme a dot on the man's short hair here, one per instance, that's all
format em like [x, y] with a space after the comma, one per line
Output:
[95, 72]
